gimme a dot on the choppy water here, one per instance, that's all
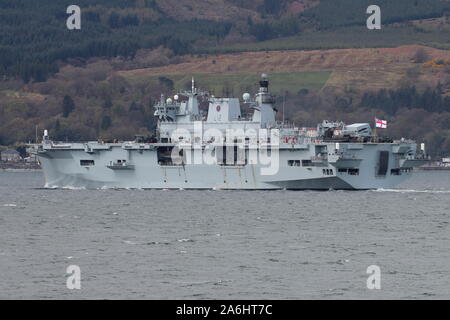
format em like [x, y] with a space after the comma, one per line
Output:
[224, 244]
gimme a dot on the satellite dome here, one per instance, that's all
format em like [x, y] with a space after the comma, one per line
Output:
[176, 97]
[169, 101]
[246, 96]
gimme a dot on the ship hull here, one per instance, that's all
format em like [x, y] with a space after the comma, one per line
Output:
[354, 167]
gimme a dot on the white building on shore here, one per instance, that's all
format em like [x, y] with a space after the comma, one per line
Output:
[10, 155]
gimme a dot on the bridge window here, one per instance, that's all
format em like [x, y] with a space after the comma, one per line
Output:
[307, 163]
[350, 171]
[87, 163]
[294, 163]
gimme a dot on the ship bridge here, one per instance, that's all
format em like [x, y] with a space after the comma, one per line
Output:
[223, 113]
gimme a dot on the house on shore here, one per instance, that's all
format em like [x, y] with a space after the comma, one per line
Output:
[10, 155]
[446, 162]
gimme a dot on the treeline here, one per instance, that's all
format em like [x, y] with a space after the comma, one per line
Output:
[390, 101]
[267, 30]
[272, 6]
[264, 7]
[336, 13]
[34, 37]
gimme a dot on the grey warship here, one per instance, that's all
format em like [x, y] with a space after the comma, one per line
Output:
[224, 149]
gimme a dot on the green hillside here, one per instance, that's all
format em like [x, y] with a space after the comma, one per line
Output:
[235, 84]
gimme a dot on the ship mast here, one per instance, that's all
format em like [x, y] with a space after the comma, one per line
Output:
[264, 110]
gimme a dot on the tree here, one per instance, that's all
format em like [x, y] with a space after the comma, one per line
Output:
[420, 56]
[68, 106]
[272, 6]
[135, 107]
[22, 149]
[108, 102]
[114, 20]
[179, 47]
[167, 82]
[130, 20]
[106, 123]
[262, 31]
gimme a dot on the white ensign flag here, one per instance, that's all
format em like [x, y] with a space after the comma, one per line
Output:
[380, 123]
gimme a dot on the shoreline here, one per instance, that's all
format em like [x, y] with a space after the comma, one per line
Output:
[19, 166]
[20, 170]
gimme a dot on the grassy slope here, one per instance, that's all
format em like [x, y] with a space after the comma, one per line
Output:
[236, 83]
[351, 68]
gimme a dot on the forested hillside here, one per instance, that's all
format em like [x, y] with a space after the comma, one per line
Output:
[33, 34]
[34, 37]
[332, 13]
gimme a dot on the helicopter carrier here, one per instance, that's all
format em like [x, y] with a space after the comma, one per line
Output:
[224, 149]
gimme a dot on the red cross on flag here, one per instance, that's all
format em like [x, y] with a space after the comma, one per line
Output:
[380, 123]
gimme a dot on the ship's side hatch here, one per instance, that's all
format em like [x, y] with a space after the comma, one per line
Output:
[167, 156]
[231, 156]
[383, 163]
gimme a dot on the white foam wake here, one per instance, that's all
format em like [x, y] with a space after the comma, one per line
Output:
[411, 191]
[73, 188]
[52, 186]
